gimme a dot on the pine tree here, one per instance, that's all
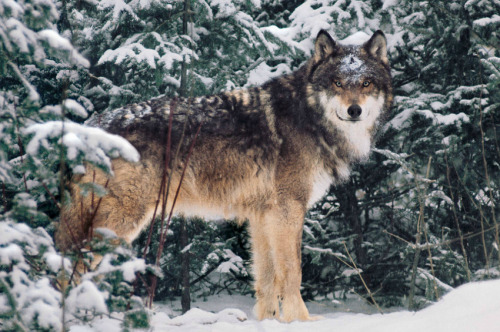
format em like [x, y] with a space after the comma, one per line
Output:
[41, 77]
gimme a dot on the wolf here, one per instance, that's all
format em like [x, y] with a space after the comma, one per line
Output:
[264, 154]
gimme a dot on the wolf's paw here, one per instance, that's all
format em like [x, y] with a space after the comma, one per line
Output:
[302, 319]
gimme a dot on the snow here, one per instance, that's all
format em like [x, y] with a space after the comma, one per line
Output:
[351, 63]
[327, 251]
[263, 73]
[351, 272]
[105, 233]
[169, 58]
[389, 3]
[118, 6]
[226, 8]
[36, 300]
[360, 7]
[233, 263]
[56, 41]
[128, 268]
[353, 67]
[32, 93]
[18, 232]
[428, 277]
[447, 119]
[4, 304]
[186, 248]
[86, 296]
[472, 307]
[41, 299]
[197, 316]
[134, 51]
[494, 20]
[13, 6]
[357, 38]
[403, 119]
[10, 254]
[483, 197]
[95, 143]
[54, 261]
[74, 107]
[246, 21]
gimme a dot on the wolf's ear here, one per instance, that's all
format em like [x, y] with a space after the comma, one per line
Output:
[324, 46]
[377, 46]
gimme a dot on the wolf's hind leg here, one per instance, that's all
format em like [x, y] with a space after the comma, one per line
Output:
[125, 209]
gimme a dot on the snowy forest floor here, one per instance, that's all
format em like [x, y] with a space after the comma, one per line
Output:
[469, 308]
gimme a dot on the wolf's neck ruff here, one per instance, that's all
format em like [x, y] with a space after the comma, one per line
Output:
[264, 154]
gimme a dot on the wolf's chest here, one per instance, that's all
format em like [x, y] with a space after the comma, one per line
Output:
[321, 182]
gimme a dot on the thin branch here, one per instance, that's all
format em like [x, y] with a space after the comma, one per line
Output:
[363, 280]
[51, 195]
[455, 217]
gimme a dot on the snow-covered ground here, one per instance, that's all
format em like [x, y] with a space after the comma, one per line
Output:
[473, 307]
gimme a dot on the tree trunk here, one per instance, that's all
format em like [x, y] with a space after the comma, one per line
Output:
[186, 297]
[349, 206]
[185, 20]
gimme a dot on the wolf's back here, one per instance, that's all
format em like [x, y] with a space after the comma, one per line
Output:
[240, 117]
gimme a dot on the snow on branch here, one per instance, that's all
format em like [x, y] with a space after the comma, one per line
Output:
[482, 22]
[95, 144]
[128, 268]
[74, 107]
[246, 21]
[87, 297]
[34, 299]
[60, 43]
[117, 6]
[134, 51]
[360, 7]
[32, 93]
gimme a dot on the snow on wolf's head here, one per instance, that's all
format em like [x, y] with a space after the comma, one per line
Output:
[351, 86]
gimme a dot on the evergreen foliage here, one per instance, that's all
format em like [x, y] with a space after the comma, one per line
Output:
[431, 180]
[219, 258]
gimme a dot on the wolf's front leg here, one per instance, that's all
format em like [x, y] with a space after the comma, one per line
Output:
[285, 238]
[267, 305]
[279, 275]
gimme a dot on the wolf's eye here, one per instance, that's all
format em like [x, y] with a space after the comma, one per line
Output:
[366, 83]
[338, 83]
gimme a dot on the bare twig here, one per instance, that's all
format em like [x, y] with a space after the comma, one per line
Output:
[363, 280]
[51, 195]
[179, 187]
[422, 196]
[164, 232]
[442, 243]
[455, 217]
[162, 192]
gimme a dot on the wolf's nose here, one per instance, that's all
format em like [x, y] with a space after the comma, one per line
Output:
[354, 111]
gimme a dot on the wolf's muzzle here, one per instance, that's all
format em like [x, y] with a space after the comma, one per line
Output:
[354, 111]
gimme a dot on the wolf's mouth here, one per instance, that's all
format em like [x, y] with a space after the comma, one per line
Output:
[349, 119]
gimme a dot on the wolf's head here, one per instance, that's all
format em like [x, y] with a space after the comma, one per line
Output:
[351, 86]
